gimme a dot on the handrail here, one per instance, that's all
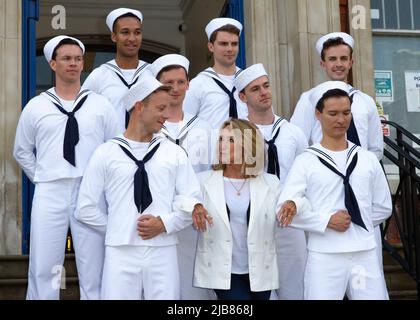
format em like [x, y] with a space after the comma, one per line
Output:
[407, 159]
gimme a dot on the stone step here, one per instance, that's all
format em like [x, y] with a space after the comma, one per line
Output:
[16, 267]
[15, 289]
[403, 295]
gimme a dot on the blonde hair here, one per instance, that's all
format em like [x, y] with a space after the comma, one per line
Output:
[252, 141]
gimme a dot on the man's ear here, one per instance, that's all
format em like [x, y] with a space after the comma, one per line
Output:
[113, 37]
[139, 105]
[53, 64]
[242, 96]
[318, 114]
[210, 46]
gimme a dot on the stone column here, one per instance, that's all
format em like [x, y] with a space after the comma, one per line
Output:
[281, 34]
[361, 31]
[10, 107]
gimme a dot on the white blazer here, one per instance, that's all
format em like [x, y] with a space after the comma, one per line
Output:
[214, 252]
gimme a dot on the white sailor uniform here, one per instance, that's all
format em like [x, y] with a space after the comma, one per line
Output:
[132, 265]
[39, 151]
[209, 101]
[113, 82]
[340, 262]
[367, 123]
[291, 243]
[194, 135]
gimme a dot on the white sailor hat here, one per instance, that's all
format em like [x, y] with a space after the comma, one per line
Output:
[53, 43]
[115, 14]
[217, 23]
[169, 60]
[348, 39]
[248, 75]
[324, 87]
[146, 85]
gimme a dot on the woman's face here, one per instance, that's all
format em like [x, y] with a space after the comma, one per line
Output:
[230, 149]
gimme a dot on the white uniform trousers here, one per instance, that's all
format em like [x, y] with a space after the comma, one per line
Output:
[329, 276]
[291, 262]
[140, 272]
[53, 207]
[379, 251]
[187, 247]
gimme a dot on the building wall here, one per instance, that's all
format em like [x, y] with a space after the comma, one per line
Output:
[282, 34]
[88, 18]
[10, 106]
[196, 18]
[279, 33]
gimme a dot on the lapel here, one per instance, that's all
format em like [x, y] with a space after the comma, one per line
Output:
[112, 65]
[52, 97]
[258, 191]
[215, 191]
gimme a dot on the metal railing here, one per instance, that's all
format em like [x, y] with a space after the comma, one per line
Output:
[401, 152]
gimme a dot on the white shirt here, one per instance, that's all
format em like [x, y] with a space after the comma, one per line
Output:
[324, 190]
[105, 81]
[172, 182]
[40, 135]
[195, 136]
[238, 207]
[290, 143]
[365, 116]
[207, 100]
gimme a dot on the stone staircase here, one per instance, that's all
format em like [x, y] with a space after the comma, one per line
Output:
[14, 270]
[401, 286]
[14, 278]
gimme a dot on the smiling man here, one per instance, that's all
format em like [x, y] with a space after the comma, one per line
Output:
[57, 133]
[114, 78]
[336, 52]
[151, 189]
[212, 94]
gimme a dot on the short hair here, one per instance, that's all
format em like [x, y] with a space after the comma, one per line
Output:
[333, 93]
[169, 68]
[253, 150]
[62, 43]
[126, 15]
[333, 42]
[230, 28]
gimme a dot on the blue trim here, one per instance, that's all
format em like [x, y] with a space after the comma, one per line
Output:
[30, 14]
[235, 10]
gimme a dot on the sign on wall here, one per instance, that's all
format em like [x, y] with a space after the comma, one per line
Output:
[384, 85]
[412, 90]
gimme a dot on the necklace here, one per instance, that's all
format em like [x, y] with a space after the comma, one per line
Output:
[238, 190]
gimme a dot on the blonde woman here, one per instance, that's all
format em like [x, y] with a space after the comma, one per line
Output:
[236, 253]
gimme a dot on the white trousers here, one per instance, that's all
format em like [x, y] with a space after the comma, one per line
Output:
[139, 272]
[187, 247]
[329, 276]
[291, 262]
[53, 207]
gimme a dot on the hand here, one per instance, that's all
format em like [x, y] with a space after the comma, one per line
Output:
[200, 216]
[149, 226]
[286, 213]
[340, 221]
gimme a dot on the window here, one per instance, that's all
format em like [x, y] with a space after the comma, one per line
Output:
[396, 51]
